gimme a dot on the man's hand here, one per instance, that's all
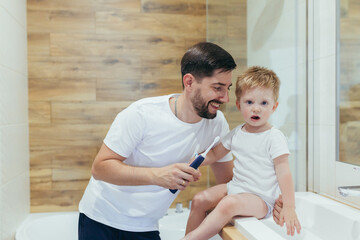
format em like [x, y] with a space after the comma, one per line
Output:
[175, 176]
[277, 209]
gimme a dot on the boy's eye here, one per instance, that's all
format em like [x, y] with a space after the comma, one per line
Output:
[249, 102]
[264, 103]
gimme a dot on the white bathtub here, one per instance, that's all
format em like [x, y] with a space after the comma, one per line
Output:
[63, 226]
[320, 218]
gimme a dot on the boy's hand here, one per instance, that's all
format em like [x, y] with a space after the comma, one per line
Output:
[288, 215]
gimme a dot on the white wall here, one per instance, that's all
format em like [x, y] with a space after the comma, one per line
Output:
[14, 142]
[322, 63]
[276, 37]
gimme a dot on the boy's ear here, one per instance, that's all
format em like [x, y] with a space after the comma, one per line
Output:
[237, 104]
[275, 106]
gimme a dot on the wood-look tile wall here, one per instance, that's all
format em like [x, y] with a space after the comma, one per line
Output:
[88, 60]
[349, 82]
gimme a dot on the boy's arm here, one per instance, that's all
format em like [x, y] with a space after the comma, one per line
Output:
[284, 178]
[216, 153]
[286, 185]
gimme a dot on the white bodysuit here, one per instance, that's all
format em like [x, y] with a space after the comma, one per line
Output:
[253, 166]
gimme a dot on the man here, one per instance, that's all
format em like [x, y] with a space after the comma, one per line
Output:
[147, 148]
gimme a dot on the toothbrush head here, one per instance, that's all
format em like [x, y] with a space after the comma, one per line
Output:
[211, 146]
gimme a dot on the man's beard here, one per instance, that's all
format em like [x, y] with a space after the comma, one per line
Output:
[201, 107]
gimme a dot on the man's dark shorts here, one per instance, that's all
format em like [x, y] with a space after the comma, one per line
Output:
[92, 230]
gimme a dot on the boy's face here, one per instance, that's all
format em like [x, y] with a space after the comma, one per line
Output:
[256, 105]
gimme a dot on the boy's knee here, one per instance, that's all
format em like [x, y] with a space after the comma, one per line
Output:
[200, 201]
[228, 204]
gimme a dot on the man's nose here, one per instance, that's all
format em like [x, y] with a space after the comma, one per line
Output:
[225, 97]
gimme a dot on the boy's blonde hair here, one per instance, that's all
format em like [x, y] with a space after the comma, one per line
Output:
[257, 77]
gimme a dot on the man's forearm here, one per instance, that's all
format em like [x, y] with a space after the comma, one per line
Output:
[116, 172]
[223, 171]
[109, 167]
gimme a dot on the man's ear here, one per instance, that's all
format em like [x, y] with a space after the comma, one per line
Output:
[188, 80]
[275, 106]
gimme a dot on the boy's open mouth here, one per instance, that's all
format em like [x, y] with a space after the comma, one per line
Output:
[255, 117]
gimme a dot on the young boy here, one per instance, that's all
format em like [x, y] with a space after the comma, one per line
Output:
[260, 167]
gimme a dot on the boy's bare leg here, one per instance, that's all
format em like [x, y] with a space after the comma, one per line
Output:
[203, 202]
[243, 204]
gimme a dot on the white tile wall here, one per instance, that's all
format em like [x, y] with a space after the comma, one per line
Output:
[286, 112]
[14, 145]
[13, 97]
[326, 148]
[292, 92]
[14, 204]
[324, 28]
[1, 211]
[300, 163]
[325, 89]
[261, 12]
[278, 42]
[253, 13]
[16, 10]
[14, 42]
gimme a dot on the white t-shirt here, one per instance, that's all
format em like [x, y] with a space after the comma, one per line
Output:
[148, 134]
[253, 165]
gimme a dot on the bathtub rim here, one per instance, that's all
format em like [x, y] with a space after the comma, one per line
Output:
[307, 196]
[33, 217]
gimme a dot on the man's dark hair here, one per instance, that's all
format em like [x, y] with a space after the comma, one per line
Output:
[202, 59]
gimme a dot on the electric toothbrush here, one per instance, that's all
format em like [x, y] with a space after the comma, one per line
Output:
[199, 159]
